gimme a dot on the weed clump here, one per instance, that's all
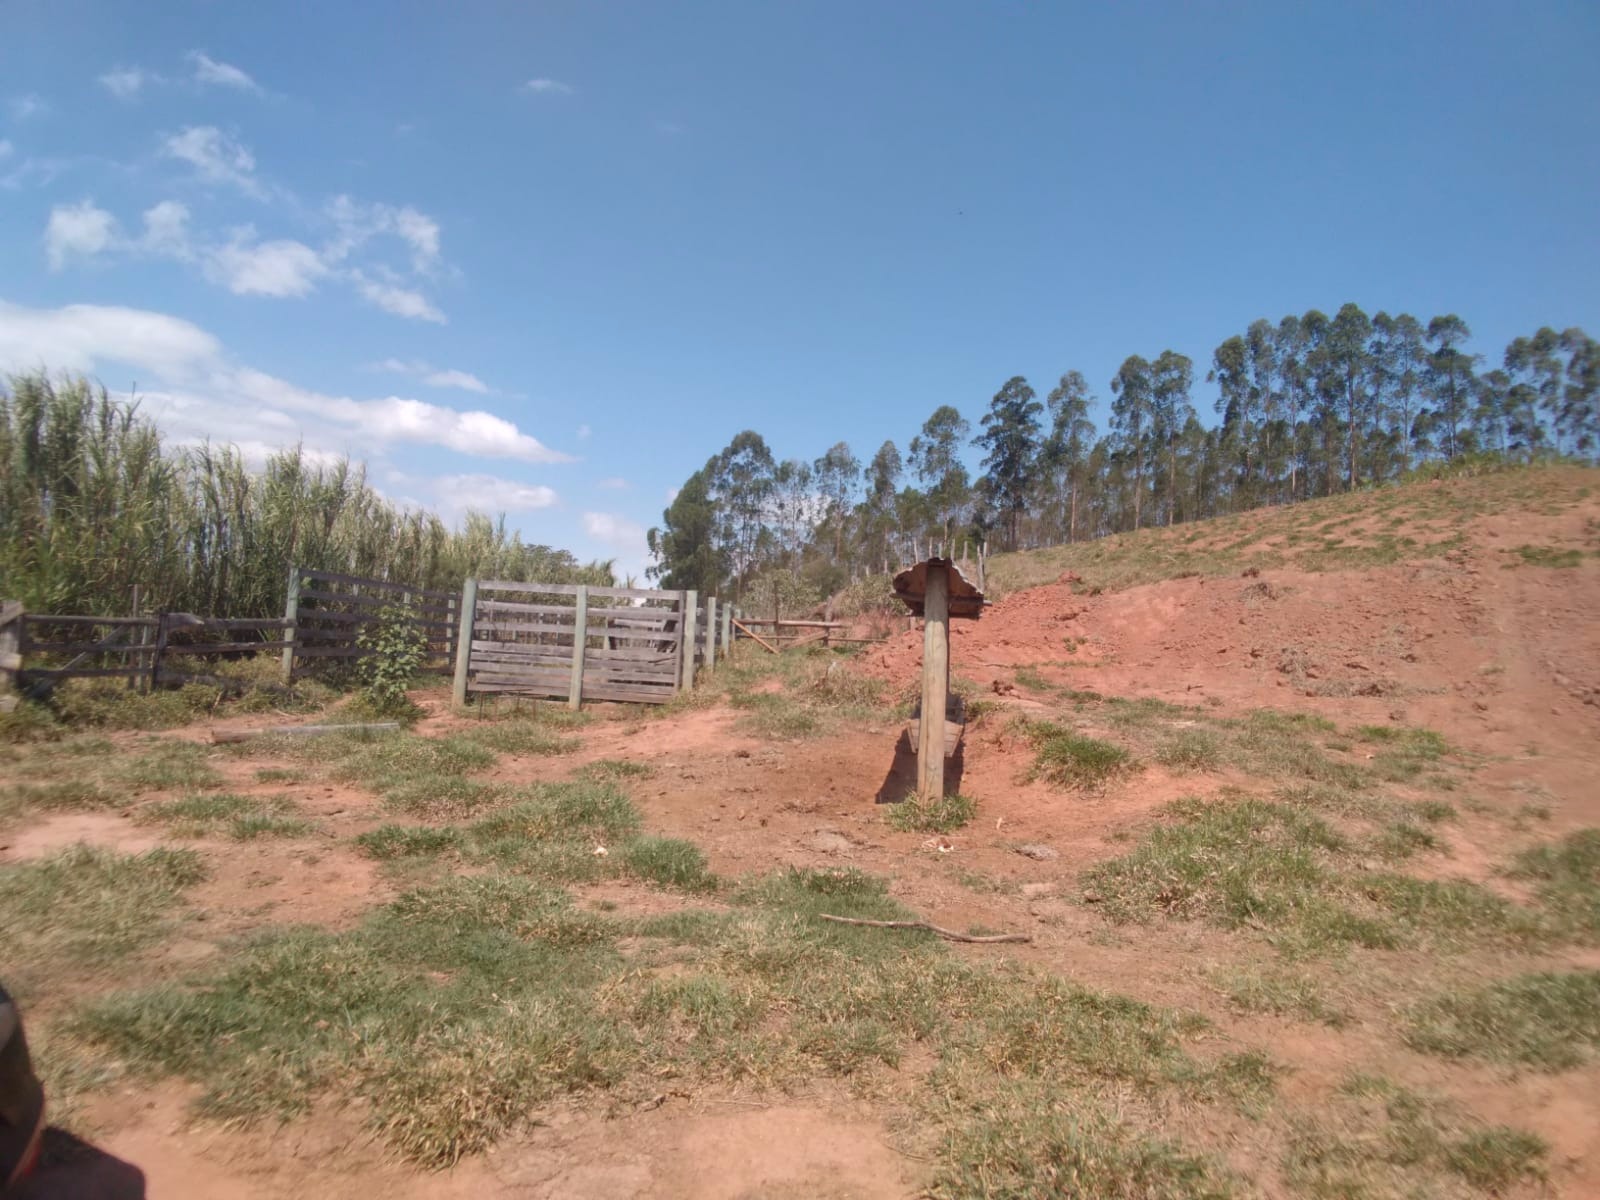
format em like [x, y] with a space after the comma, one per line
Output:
[1071, 759]
[1548, 1020]
[944, 815]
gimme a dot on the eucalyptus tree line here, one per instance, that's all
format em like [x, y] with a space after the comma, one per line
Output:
[1305, 406]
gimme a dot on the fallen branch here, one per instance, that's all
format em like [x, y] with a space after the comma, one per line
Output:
[949, 935]
[245, 735]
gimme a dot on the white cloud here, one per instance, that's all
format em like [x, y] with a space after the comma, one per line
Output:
[6, 148]
[166, 230]
[125, 83]
[547, 87]
[583, 433]
[216, 157]
[82, 337]
[278, 268]
[437, 377]
[208, 395]
[625, 537]
[79, 231]
[26, 107]
[358, 223]
[401, 301]
[614, 483]
[490, 494]
[209, 72]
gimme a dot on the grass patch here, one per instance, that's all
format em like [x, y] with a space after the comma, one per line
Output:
[1247, 862]
[944, 815]
[1548, 1020]
[1567, 874]
[90, 907]
[1375, 1138]
[280, 775]
[670, 862]
[1070, 759]
[603, 769]
[408, 841]
[1545, 556]
[1277, 992]
[79, 794]
[170, 766]
[521, 736]
[222, 814]
[1190, 750]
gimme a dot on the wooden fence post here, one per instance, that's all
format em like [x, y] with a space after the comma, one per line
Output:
[163, 627]
[10, 652]
[727, 628]
[469, 610]
[291, 613]
[711, 633]
[935, 682]
[688, 622]
[580, 642]
[135, 637]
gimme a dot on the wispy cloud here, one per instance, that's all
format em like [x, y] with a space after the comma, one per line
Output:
[583, 433]
[215, 156]
[433, 376]
[614, 483]
[208, 394]
[6, 149]
[547, 87]
[208, 72]
[128, 83]
[401, 301]
[78, 231]
[26, 107]
[358, 223]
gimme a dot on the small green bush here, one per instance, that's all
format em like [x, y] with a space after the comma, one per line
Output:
[397, 646]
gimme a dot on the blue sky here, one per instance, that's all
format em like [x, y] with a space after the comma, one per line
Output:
[552, 256]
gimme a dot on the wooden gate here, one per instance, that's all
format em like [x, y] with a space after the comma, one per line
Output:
[525, 638]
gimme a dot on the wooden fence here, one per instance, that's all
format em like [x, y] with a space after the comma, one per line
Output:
[580, 642]
[51, 647]
[328, 611]
[637, 645]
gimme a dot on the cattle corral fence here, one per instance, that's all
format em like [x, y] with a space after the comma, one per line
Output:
[495, 636]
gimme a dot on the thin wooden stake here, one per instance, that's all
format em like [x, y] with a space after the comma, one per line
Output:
[750, 633]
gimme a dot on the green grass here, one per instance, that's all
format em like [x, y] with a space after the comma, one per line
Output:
[519, 736]
[169, 766]
[614, 768]
[223, 814]
[1375, 1139]
[1279, 992]
[89, 907]
[944, 815]
[1070, 759]
[1567, 875]
[1244, 862]
[80, 794]
[1548, 1020]
[1546, 556]
[670, 862]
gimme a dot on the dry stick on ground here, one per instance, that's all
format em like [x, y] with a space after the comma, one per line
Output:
[949, 935]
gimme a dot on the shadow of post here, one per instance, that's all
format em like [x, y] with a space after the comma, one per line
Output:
[901, 781]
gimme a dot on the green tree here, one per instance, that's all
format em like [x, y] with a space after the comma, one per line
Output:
[1171, 378]
[1010, 438]
[936, 458]
[1448, 379]
[1066, 450]
[1130, 419]
[684, 545]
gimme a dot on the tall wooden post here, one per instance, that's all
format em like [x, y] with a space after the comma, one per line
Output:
[727, 628]
[469, 610]
[580, 642]
[711, 632]
[935, 682]
[688, 624]
[135, 637]
[291, 613]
